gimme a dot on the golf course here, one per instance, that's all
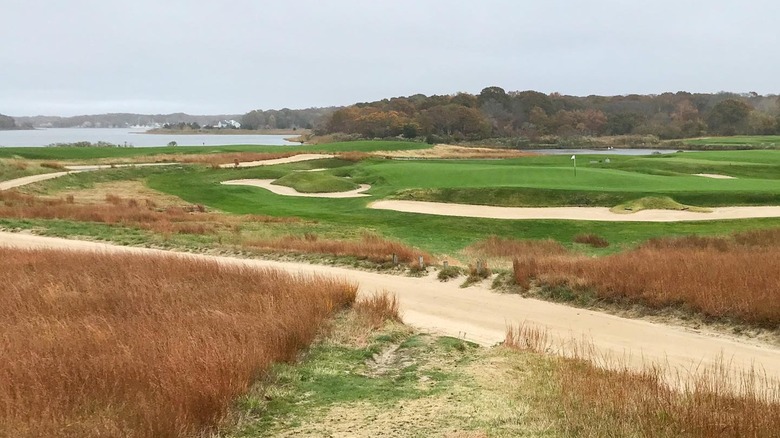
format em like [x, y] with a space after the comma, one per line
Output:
[662, 267]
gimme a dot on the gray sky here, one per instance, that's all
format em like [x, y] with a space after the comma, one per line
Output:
[207, 57]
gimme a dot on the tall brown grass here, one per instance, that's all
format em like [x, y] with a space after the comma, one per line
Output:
[600, 397]
[369, 247]
[98, 345]
[125, 211]
[495, 246]
[591, 239]
[215, 160]
[354, 156]
[734, 277]
[374, 310]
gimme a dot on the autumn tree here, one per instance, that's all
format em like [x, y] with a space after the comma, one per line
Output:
[729, 117]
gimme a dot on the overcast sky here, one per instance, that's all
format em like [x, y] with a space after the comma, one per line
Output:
[208, 57]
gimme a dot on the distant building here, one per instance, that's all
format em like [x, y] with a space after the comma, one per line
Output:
[228, 124]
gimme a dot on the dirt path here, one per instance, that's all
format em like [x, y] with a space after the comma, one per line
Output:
[479, 315]
[289, 191]
[574, 213]
[23, 181]
[293, 159]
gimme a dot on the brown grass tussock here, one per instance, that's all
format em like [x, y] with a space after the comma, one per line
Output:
[98, 345]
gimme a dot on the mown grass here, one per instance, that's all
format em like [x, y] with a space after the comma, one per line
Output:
[44, 153]
[315, 182]
[737, 140]
[347, 218]
[144, 346]
[724, 278]
[435, 234]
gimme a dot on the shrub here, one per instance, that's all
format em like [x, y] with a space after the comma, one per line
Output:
[449, 272]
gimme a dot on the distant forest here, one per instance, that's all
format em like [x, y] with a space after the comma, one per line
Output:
[491, 114]
[533, 115]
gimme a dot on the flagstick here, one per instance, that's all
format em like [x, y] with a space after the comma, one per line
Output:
[574, 157]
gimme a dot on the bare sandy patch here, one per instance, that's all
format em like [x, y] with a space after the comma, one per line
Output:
[289, 191]
[601, 214]
[713, 175]
[447, 151]
[19, 182]
[293, 159]
[123, 189]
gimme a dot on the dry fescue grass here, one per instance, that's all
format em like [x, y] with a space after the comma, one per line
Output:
[369, 247]
[598, 402]
[52, 165]
[143, 213]
[591, 239]
[495, 246]
[354, 156]
[527, 337]
[98, 345]
[215, 160]
[734, 277]
[374, 310]
[611, 399]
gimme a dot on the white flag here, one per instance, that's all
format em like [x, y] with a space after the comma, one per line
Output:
[572, 157]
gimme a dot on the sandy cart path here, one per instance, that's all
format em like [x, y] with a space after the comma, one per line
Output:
[293, 159]
[480, 315]
[289, 191]
[574, 213]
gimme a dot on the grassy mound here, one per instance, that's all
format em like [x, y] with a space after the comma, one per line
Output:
[315, 182]
[655, 203]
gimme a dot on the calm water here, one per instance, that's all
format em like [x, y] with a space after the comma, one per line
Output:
[129, 136]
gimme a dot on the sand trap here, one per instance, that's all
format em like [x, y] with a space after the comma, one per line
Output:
[293, 159]
[289, 191]
[573, 213]
[713, 175]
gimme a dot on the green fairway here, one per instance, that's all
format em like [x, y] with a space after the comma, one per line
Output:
[738, 140]
[532, 181]
[74, 153]
[450, 234]
[315, 182]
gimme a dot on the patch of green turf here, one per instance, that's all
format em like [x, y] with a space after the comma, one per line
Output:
[315, 182]
[73, 153]
[737, 140]
[341, 375]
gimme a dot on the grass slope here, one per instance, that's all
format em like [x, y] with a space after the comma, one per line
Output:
[65, 153]
[315, 182]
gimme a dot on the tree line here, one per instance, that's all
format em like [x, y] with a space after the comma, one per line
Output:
[533, 115]
[8, 123]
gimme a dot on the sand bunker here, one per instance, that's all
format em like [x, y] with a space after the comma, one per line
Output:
[293, 159]
[289, 191]
[713, 175]
[574, 213]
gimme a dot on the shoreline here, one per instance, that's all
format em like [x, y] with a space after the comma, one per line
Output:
[160, 131]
